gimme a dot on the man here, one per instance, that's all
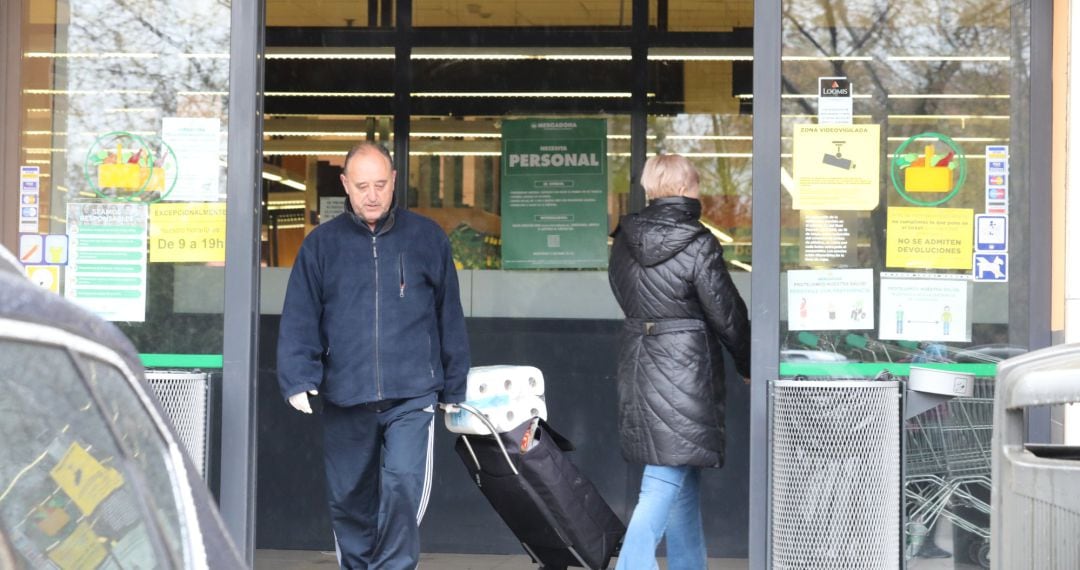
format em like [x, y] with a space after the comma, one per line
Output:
[373, 320]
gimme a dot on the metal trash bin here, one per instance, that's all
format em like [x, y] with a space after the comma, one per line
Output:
[1035, 521]
[835, 474]
[185, 398]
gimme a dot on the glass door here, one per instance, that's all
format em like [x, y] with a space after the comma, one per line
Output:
[902, 223]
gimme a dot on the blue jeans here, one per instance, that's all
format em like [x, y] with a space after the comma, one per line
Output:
[668, 504]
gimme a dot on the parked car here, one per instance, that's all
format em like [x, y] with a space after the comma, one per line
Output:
[91, 473]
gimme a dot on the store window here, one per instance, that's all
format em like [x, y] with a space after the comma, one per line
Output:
[701, 15]
[331, 13]
[464, 106]
[123, 151]
[700, 108]
[898, 162]
[521, 13]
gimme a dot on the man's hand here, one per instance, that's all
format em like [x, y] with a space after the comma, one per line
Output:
[746, 381]
[300, 401]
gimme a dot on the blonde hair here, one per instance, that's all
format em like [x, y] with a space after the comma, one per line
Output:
[668, 175]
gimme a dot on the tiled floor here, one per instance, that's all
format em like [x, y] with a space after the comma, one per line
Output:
[315, 560]
[312, 560]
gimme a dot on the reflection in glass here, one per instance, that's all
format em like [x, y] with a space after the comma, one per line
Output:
[941, 82]
[696, 110]
[66, 494]
[101, 82]
[910, 77]
[521, 13]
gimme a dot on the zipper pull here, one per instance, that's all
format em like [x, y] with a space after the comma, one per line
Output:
[374, 251]
[401, 274]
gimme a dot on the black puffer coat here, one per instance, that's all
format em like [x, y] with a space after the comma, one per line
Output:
[667, 272]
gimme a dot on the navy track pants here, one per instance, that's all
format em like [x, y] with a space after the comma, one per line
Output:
[378, 474]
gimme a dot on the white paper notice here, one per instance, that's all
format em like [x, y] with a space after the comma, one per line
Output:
[834, 101]
[834, 299]
[330, 207]
[195, 142]
[925, 310]
[106, 271]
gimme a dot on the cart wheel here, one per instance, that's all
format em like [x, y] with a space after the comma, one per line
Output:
[982, 555]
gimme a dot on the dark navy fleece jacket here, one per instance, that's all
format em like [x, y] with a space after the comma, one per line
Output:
[373, 316]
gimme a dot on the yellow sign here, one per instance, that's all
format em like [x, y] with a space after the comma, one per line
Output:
[187, 231]
[83, 548]
[45, 276]
[85, 479]
[836, 167]
[924, 176]
[929, 238]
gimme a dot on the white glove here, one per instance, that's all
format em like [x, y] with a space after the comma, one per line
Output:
[300, 401]
[449, 408]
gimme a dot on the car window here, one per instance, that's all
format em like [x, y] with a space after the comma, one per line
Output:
[67, 497]
[148, 449]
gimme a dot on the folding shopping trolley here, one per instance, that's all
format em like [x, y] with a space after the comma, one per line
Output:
[557, 514]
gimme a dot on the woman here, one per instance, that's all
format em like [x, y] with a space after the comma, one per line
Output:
[667, 272]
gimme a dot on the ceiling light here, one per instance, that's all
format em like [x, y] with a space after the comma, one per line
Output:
[271, 176]
[946, 96]
[88, 55]
[456, 135]
[959, 139]
[713, 154]
[590, 95]
[826, 58]
[744, 266]
[326, 53]
[709, 137]
[513, 54]
[948, 58]
[815, 96]
[716, 232]
[327, 94]
[305, 152]
[294, 184]
[952, 117]
[456, 153]
[701, 54]
[204, 55]
[354, 134]
[88, 92]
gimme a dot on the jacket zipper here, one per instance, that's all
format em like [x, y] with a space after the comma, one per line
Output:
[378, 374]
[401, 272]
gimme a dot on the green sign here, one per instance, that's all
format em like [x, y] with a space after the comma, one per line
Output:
[554, 193]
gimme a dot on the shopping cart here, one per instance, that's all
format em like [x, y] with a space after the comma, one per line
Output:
[948, 469]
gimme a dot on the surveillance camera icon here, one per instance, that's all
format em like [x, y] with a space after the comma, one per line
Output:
[838, 159]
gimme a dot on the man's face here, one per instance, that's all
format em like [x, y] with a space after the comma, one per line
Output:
[369, 183]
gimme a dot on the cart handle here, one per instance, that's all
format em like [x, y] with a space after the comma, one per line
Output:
[494, 434]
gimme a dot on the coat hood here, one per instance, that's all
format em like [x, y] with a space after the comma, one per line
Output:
[662, 229]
